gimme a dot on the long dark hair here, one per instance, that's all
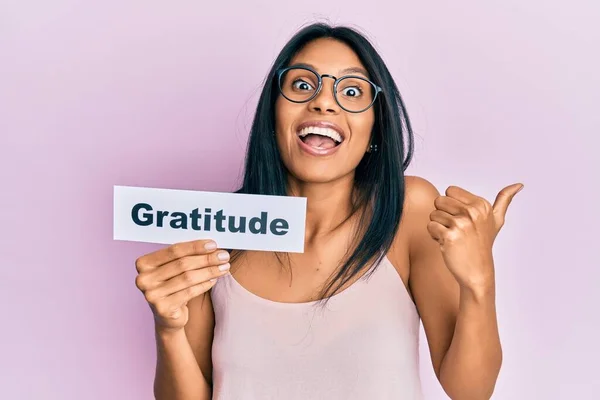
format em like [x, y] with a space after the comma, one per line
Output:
[379, 177]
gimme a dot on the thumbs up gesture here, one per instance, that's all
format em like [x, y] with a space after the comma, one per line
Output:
[465, 226]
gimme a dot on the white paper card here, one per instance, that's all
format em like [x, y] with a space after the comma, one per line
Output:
[233, 221]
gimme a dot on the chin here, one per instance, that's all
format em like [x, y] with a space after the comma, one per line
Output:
[315, 175]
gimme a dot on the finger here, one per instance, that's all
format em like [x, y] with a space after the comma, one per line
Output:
[188, 279]
[504, 198]
[461, 195]
[450, 205]
[437, 231]
[443, 218]
[176, 267]
[173, 252]
[183, 296]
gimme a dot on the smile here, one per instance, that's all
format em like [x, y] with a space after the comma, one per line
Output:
[320, 137]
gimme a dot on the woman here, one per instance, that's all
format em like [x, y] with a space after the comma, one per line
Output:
[382, 252]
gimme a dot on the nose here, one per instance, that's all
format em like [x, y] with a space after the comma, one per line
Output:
[324, 101]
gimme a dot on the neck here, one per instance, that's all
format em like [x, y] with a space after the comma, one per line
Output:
[328, 204]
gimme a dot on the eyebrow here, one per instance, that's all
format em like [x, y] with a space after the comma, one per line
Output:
[350, 70]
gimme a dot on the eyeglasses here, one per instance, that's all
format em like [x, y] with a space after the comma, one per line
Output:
[300, 84]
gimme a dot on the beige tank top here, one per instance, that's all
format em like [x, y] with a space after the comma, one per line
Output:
[362, 345]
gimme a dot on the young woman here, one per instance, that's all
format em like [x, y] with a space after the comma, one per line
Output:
[383, 251]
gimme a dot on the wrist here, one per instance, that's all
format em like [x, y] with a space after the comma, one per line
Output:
[479, 289]
[478, 294]
[168, 334]
[481, 281]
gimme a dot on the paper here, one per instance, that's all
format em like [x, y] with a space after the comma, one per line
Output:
[233, 221]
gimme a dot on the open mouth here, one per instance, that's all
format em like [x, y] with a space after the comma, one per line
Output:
[320, 138]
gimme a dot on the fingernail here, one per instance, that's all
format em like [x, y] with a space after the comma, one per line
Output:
[224, 267]
[223, 256]
[213, 280]
[210, 246]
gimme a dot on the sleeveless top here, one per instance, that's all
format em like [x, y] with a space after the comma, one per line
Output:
[363, 344]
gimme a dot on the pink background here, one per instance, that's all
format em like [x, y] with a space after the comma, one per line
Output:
[161, 94]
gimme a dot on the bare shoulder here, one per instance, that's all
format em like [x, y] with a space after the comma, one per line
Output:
[419, 198]
[419, 195]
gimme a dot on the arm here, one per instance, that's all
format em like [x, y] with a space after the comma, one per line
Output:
[176, 282]
[471, 365]
[184, 367]
[452, 282]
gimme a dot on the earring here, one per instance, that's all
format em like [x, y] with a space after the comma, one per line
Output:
[373, 148]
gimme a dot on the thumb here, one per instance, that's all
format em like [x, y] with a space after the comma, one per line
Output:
[503, 200]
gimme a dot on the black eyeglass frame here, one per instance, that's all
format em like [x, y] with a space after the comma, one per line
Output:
[320, 77]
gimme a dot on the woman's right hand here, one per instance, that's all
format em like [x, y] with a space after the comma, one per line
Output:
[172, 276]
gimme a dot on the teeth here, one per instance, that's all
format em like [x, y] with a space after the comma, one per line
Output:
[330, 133]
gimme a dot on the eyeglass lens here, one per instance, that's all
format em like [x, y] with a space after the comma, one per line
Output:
[352, 93]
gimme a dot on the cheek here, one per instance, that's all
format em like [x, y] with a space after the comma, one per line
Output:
[284, 115]
[284, 118]
[362, 127]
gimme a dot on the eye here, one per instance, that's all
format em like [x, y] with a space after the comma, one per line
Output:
[352, 91]
[302, 85]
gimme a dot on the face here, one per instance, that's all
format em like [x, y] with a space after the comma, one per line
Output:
[318, 140]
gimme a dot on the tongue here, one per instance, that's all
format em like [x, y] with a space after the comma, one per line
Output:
[319, 141]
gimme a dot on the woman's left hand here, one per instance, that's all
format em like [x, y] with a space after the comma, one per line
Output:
[465, 226]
